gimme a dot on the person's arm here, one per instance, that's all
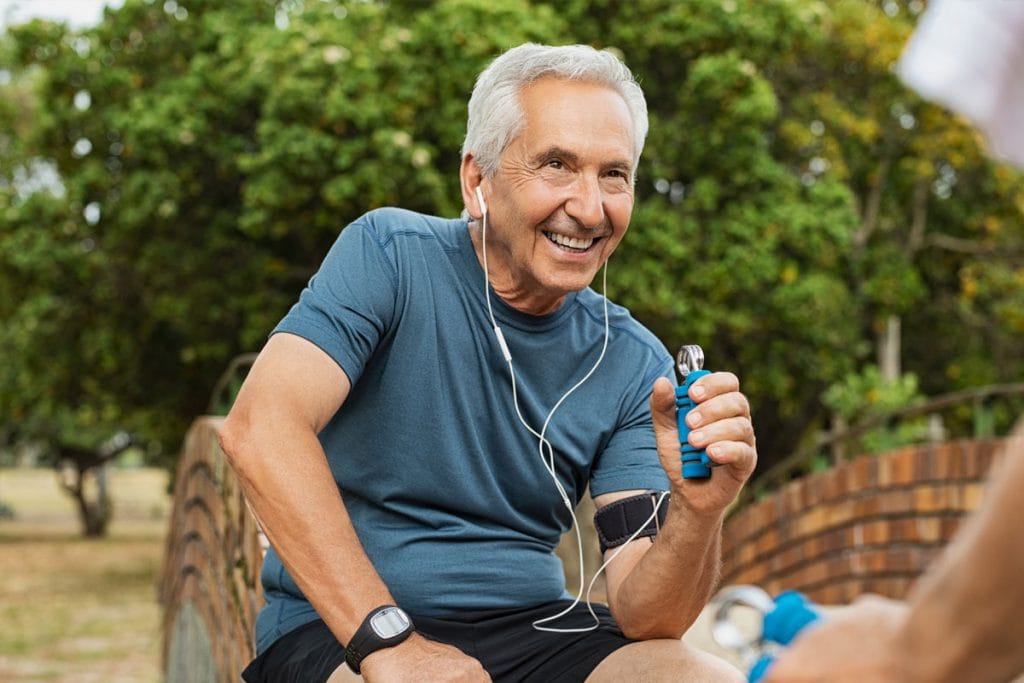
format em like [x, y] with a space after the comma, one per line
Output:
[657, 590]
[962, 620]
[270, 438]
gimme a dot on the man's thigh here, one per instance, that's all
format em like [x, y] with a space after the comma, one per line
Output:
[343, 674]
[664, 660]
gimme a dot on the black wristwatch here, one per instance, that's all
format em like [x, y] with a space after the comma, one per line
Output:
[383, 627]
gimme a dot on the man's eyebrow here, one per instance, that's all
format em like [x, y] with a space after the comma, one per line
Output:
[555, 152]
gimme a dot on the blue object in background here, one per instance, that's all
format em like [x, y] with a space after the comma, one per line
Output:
[781, 620]
[792, 613]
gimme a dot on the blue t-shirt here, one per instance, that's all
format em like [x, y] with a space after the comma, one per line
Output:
[446, 488]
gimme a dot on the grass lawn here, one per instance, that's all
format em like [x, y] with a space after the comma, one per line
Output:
[74, 609]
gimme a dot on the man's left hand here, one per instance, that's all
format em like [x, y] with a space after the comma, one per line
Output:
[720, 424]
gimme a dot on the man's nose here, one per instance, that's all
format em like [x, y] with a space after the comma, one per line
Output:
[586, 203]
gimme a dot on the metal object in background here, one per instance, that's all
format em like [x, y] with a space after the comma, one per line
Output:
[778, 622]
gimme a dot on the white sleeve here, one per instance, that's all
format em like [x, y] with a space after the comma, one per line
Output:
[969, 56]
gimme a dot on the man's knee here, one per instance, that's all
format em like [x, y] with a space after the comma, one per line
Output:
[664, 660]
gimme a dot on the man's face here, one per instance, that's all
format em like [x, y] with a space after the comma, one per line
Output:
[562, 197]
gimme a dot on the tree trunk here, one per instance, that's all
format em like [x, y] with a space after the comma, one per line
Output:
[889, 350]
[92, 498]
[93, 510]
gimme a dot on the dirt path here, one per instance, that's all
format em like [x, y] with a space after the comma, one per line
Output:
[74, 609]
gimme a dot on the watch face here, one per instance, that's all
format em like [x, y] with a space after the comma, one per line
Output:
[389, 622]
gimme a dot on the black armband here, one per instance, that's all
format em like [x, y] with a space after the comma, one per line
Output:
[618, 521]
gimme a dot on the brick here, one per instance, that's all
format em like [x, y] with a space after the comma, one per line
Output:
[943, 468]
[747, 553]
[924, 464]
[925, 500]
[985, 456]
[895, 501]
[875, 532]
[973, 493]
[830, 595]
[973, 468]
[825, 486]
[903, 467]
[813, 521]
[865, 474]
[879, 560]
[844, 482]
[949, 526]
[767, 542]
[841, 513]
[903, 530]
[814, 547]
[928, 529]
[885, 471]
[818, 573]
[868, 506]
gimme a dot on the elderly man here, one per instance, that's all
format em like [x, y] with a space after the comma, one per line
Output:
[418, 429]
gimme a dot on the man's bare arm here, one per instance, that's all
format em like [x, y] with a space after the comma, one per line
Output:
[658, 590]
[965, 612]
[270, 438]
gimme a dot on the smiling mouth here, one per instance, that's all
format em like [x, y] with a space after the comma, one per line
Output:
[573, 244]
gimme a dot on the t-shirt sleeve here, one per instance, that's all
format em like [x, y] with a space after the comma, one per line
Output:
[349, 305]
[630, 458]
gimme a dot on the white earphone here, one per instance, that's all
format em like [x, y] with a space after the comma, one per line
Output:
[480, 198]
[544, 447]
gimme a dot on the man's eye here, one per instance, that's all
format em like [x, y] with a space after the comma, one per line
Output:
[555, 163]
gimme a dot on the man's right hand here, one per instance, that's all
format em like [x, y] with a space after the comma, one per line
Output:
[419, 658]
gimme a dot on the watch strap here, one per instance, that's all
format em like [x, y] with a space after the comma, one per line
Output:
[365, 641]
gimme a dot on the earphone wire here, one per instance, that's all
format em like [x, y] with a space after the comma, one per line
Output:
[542, 443]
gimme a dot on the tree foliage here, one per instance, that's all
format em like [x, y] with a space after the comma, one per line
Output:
[793, 197]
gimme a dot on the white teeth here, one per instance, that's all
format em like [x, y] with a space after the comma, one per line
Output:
[571, 242]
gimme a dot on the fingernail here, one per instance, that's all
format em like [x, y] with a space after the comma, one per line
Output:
[697, 391]
[696, 436]
[693, 419]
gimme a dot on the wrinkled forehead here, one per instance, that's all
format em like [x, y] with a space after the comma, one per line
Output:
[576, 115]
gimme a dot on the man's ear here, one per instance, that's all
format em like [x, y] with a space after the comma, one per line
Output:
[471, 178]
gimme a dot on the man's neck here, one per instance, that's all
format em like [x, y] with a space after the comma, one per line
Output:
[515, 295]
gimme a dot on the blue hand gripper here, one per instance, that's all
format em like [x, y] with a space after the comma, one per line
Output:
[782, 620]
[689, 362]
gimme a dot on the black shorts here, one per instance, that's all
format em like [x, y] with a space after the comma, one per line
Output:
[504, 642]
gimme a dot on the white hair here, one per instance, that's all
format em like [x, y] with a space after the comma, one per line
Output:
[496, 115]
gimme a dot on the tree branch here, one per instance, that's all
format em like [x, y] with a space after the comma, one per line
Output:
[873, 205]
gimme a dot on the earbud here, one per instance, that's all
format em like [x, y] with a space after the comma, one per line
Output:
[480, 198]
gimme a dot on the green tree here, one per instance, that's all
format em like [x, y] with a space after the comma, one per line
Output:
[207, 154]
[796, 206]
[816, 218]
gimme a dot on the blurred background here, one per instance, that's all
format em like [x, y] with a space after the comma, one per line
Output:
[172, 172]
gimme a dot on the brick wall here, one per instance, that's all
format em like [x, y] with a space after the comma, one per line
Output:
[209, 589]
[869, 525]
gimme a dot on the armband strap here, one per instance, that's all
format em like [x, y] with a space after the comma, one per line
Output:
[617, 521]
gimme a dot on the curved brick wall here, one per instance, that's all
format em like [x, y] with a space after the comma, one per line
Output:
[869, 525]
[209, 590]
